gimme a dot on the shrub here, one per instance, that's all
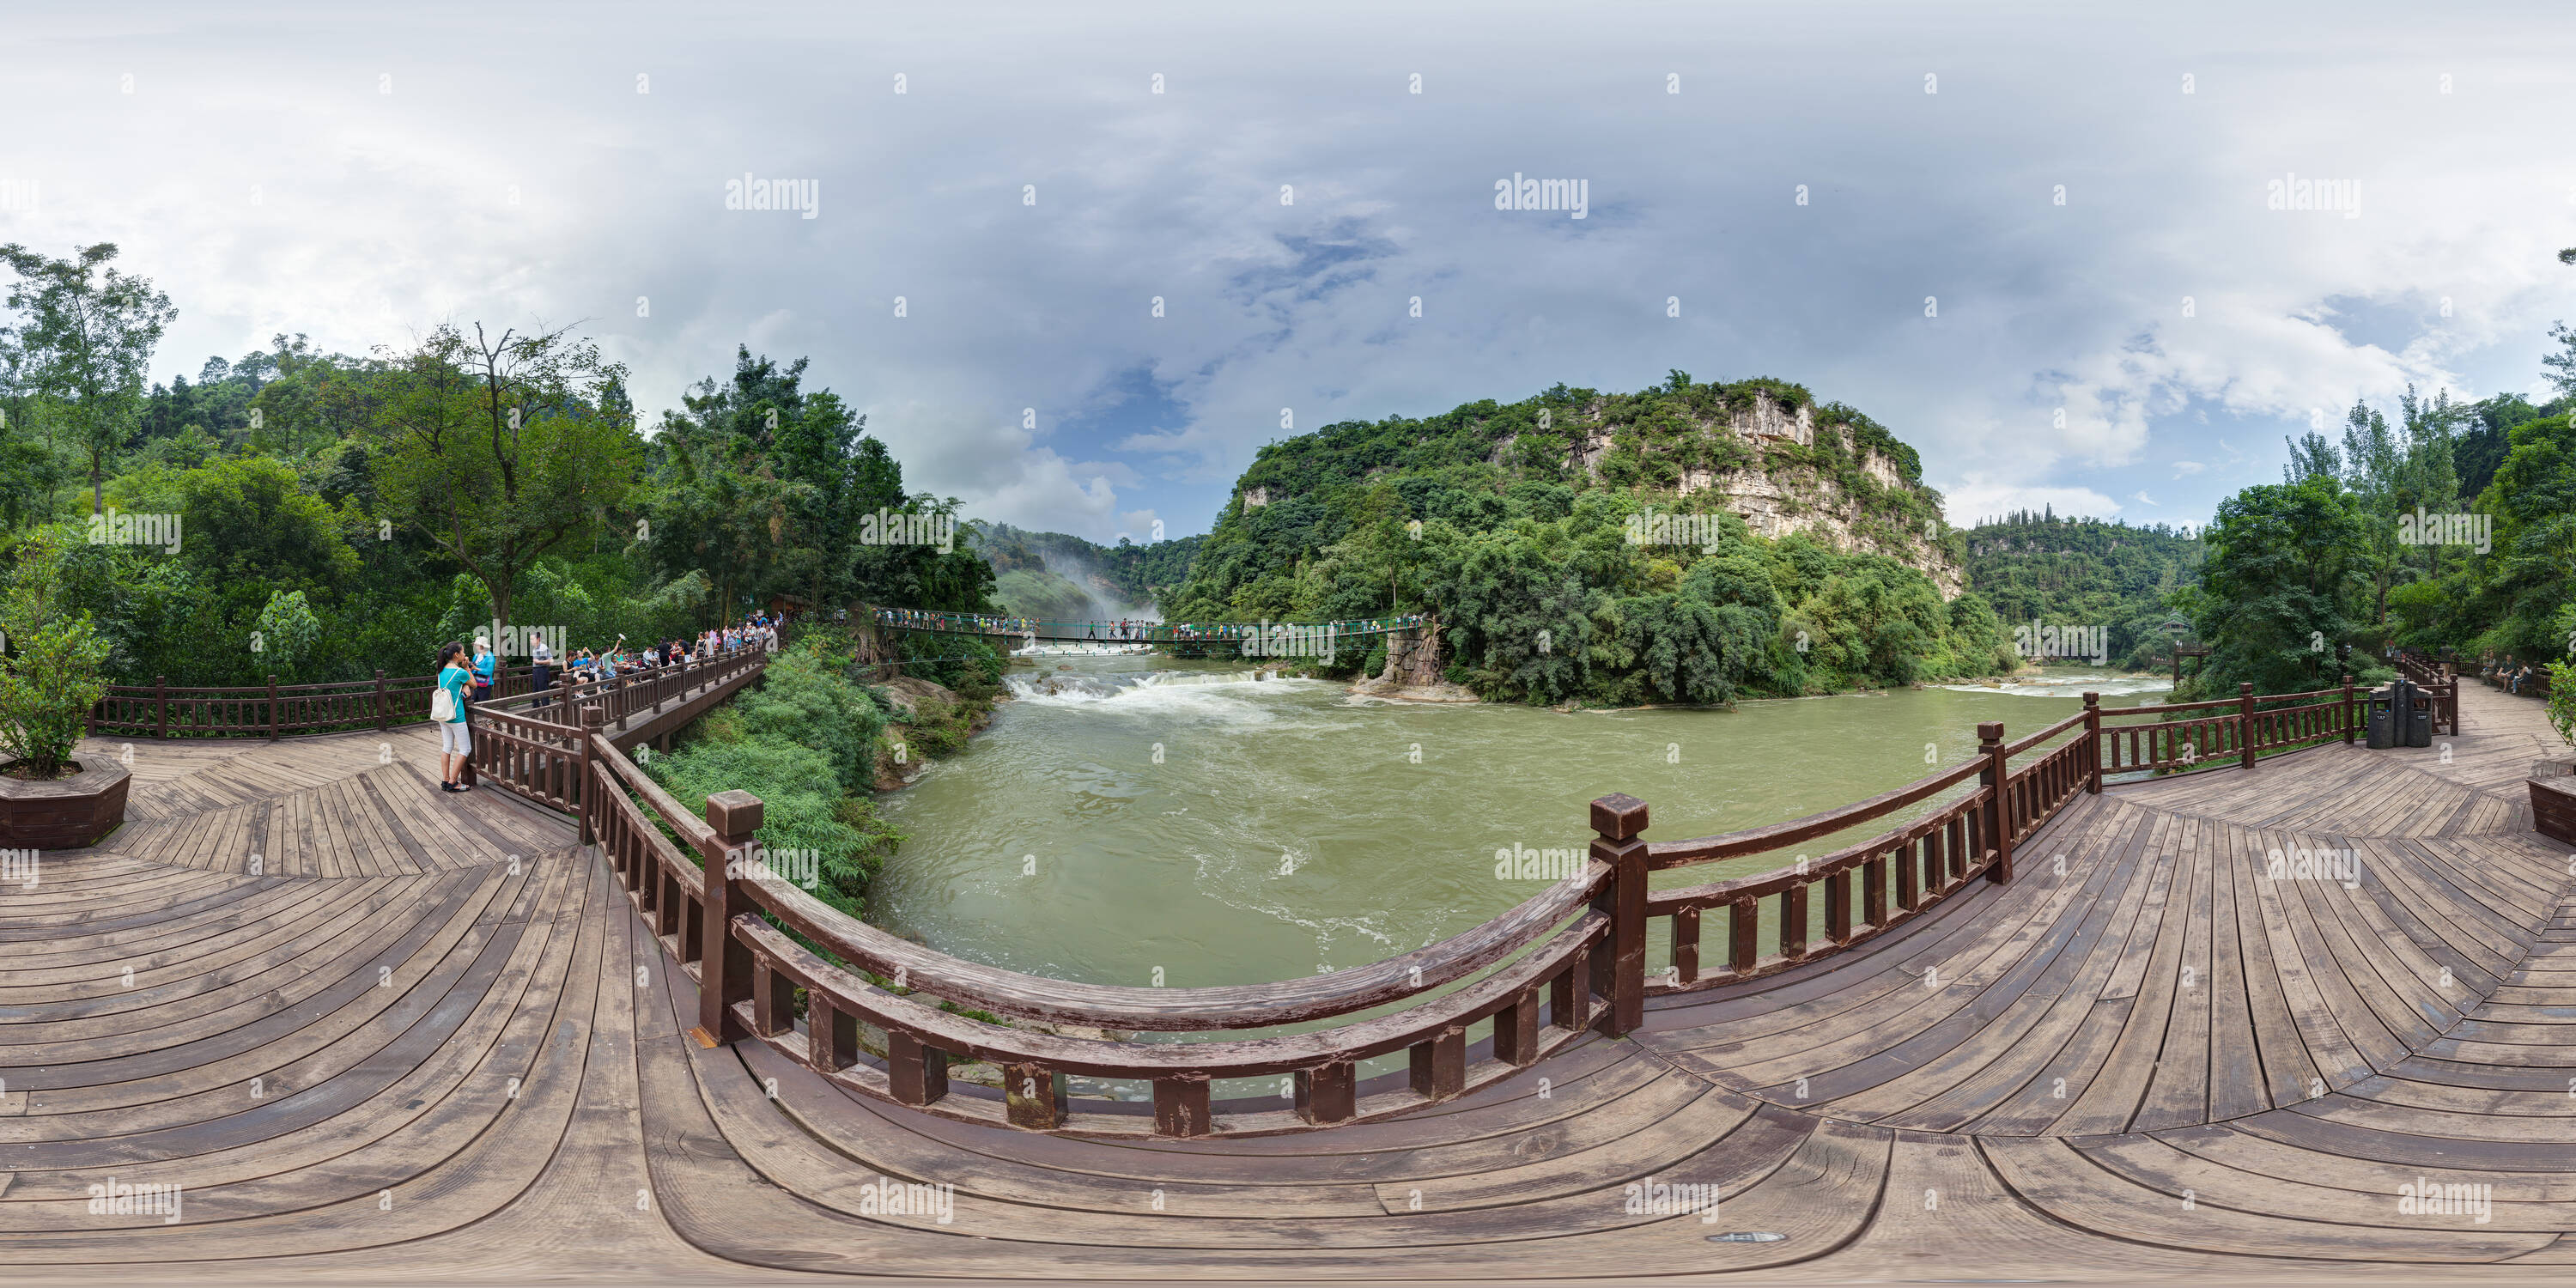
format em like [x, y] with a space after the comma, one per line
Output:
[46, 691]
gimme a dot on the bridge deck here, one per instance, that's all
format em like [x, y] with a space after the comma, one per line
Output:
[392, 1055]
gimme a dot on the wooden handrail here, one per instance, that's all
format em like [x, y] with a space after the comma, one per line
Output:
[1236, 1006]
[1568, 960]
[1671, 854]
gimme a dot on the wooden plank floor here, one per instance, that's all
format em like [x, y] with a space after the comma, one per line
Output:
[388, 1056]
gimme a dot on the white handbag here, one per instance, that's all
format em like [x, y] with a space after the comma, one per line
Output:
[442, 705]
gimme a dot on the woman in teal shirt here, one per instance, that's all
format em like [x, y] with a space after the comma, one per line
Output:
[455, 740]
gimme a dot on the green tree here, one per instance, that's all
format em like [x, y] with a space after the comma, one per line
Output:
[499, 451]
[88, 344]
[2287, 571]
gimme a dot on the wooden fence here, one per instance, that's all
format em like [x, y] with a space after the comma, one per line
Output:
[276, 710]
[776, 965]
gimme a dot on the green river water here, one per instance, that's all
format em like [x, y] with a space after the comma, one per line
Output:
[1181, 823]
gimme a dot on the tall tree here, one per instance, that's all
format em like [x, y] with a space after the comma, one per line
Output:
[88, 342]
[501, 450]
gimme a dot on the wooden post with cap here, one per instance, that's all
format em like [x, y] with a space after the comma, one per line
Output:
[724, 962]
[2093, 739]
[2245, 724]
[1619, 966]
[1998, 780]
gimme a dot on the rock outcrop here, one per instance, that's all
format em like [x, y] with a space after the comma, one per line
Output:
[1416, 670]
[1776, 497]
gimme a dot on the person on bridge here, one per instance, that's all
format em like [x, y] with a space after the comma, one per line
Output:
[541, 667]
[455, 740]
[482, 669]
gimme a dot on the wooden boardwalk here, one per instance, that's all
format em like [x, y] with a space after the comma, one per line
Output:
[429, 1040]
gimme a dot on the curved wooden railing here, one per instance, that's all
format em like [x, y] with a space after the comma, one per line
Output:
[281, 710]
[885, 1017]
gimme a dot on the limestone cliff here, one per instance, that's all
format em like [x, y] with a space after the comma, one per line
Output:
[1780, 467]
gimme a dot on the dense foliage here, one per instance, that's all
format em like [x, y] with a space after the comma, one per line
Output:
[805, 742]
[2452, 528]
[1513, 525]
[2082, 571]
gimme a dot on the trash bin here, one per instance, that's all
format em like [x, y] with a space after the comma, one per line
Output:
[2418, 710]
[2383, 722]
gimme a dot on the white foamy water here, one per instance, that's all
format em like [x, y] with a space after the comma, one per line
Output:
[2070, 685]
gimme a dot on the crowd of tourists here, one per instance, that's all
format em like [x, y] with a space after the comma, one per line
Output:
[466, 676]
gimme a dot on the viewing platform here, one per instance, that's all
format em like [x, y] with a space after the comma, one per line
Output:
[2217, 1025]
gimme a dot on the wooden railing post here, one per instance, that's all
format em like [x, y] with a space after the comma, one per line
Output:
[2245, 724]
[2093, 740]
[1998, 779]
[272, 707]
[384, 713]
[161, 700]
[1619, 967]
[724, 964]
[589, 825]
[2347, 709]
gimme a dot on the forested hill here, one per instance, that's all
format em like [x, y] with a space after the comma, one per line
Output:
[1057, 577]
[1809, 556]
[2083, 571]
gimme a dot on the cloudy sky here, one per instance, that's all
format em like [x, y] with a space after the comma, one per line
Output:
[1013, 174]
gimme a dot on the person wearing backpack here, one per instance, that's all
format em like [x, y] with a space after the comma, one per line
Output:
[447, 710]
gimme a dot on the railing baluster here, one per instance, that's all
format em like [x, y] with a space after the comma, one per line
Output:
[1569, 994]
[918, 1074]
[773, 999]
[1440, 1064]
[1516, 1029]
[1181, 1105]
[1793, 921]
[1033, 1100]
[1911, 860]
[1327, 1093]
[1743, 925]
[1685, 945]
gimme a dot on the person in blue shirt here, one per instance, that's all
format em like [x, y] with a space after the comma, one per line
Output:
[482, 669]
[455, 740]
